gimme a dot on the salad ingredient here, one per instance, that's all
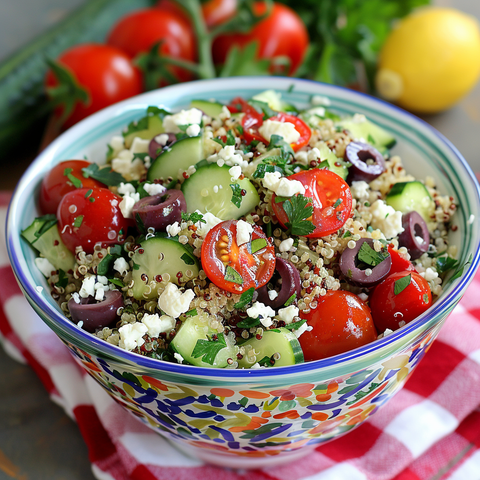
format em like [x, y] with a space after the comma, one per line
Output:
[289, 288]
[61, 179]
[279, 347]
[366, 264]
[89, 216]
[217, 12]
[153, 28]
[103, 74]
[159, 261]
[399, 299]
[340, 322]
[406, 73]
[415, 236]
[362, 129]
[367, 162]
[300, 126]
[281, 33]
[411, 196]
[159, 211]
[399, 261]
[158, 144]
[329, 196]
[237, 256]
[93, 313]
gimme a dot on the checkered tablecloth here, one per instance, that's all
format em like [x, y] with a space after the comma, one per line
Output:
[429, 431]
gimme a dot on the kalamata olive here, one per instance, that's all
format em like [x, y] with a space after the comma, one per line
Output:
[96, 314]
[291, 284]
[367, 162]
[355, 270]
[155, 148]
[159, 211]
[415, 237]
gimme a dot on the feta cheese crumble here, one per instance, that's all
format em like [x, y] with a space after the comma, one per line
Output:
[173, 302]
[286, 130]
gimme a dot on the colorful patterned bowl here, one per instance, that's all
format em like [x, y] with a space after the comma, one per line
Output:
[254, 418]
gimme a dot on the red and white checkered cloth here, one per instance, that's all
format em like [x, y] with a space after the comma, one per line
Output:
[429, 430]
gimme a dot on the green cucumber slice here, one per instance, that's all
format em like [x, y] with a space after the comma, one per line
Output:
[43, 236]
[153, 126]
[212, 109]
[279, 340]
[369, 132]
[200, 193]
[158, 256]
[335, 164]
[191, 331]
[408, 196]
[180, 156]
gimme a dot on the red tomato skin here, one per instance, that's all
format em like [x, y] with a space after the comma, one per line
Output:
[300, 126]
[341, 322]
[55, 184]
[281, 33]
[99, 219]
[388, 309]
[105, 72]
[240, 259]
[318, 185]
[138, 31]
[399, 263]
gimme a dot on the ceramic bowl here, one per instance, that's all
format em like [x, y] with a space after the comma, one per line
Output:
[265, 416]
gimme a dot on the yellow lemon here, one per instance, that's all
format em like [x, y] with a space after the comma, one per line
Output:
[430, 60]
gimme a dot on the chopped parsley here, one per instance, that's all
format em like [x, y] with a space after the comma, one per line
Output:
[402, 283]
[245, 298]
[237, 196]
[104, 175]
[258, 244]
[291, 299]
[370, 257]
[295, 325]
[194, 217]
[188, 259]
[208, 349]
[263, 107]
[62, 279]
[443, 264]
[78, 221]
[248, 322]
[230, 139]
[76, 182]
[297, 212]
[231, 275]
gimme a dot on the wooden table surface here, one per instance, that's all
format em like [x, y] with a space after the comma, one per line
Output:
[37, 440]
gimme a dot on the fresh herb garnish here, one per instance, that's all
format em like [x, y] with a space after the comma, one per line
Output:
[78, 221]
[459, 272]
[231, 275]
[194, 217]
[188, 259]
[297, 212]
[230, 139]
[369, 256]
[116, 282]
[191, 313]
[237, 196]
[263, 107]
[337, 203]
[208, 349]
[76, 182]
[248, 322]
[324, 164]
[245, 298]
[443, 264]
[258, 244]
[143, 123]
[295, 325]
[266, 362]
[402, 283]
[104, 175]
[62, 279]
[291, 299]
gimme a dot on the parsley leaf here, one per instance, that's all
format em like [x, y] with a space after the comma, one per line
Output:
[262, 107]
[231, 275]
[194, 217]
[230, 139]
[248, 322]
[245, 299]
[266, 362]
[76, 182]
[370, 257]
[208, 349]
[290, 299]
[297, 212]
[103, 175]
[443, 264]
[77, 223]
[295, 325]
[402, 283]
[236, 194]
[62, 279]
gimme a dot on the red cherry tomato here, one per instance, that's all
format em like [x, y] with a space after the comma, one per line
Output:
[237, 268]
[399, 263]
[332, 201]
[138, 31]
[341, 322]
[390, 309]
[104, 71]
[90, 216]
[61, 179]
[300, 126]
[282, 33]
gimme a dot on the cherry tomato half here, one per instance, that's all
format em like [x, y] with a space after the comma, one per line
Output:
[341, 322]
[282, 33]
[90, 216]
[331, 196]
[390, 309]
[300, 126]
[137, 32]
[237, 268]
[105, 72]
[399, 263]
[61, 179]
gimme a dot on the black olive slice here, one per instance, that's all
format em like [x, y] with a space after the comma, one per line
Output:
[155, 149]
[367, 162]
[415, 237]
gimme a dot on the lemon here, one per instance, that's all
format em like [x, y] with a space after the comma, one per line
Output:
[430, 60]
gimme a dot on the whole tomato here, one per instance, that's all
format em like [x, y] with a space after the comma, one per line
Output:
[282, 33]
[341, 322]
[138, 31]
[106, 73]
[399, 299]
[90, 216]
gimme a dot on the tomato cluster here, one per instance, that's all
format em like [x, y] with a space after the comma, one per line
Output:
[131, 57]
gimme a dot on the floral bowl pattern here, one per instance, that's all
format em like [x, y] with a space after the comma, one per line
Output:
[267, 416]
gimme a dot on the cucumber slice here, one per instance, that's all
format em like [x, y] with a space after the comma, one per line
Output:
[193, 330]
[408, 196]
[43, 235]
[180, 156]
[212, 109]
[158, 256]
[369, 132]
[146, 128]
[279, 340]
[335, 164]
[200, 195]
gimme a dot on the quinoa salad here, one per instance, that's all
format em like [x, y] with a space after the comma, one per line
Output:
[245, 235]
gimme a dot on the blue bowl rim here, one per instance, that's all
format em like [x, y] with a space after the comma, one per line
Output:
[108, 350]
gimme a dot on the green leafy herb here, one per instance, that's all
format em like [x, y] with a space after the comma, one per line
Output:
[62, 279]
[286, 150]
[297, 212]
[208, 349]
[248, 322]
[77, 183]
[263, 107]
[116, 282]
[140, 224]
[295, 325]
[337, 203]
[143, 123]
[266, 362]
[369, 256]
[78, 221]
[245, 298]
[231, 275]
[230, 139]
[110, 151]
[236, 194]
[279, 199]
[324, 164]
[258, 244]
[188, 259]
[191, 313]
[291, 299]
[443, 264]
[104, 175]
[347, 234]
[459, 272]
[402, 283]
[194, 217]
